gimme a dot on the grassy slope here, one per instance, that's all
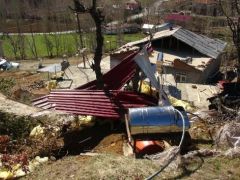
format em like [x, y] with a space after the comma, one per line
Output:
[67, 43]
[109, 166]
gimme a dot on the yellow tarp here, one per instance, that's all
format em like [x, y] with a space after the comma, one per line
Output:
[146, 89]
[51, 85]
[177, 102]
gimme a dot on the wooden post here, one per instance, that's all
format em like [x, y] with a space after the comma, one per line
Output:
[127, 128]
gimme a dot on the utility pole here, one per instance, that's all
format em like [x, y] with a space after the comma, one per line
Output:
[81, 40]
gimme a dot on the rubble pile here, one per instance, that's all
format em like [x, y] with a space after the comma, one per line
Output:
[229, 135]
[228, 101]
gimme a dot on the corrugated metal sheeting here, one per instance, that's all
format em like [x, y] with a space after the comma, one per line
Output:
[117, 77]
[107, 104]
[143, 62]
[203, 44]
[110, 103]
[207, 46]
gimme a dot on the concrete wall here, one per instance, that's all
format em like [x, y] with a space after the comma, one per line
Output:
[197, 76]
[191, 76]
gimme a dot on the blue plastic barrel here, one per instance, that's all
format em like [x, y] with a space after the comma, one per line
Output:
[156, 120]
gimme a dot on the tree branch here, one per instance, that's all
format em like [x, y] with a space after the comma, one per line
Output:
[237, 6]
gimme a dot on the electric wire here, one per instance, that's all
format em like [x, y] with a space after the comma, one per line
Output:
[179, 147]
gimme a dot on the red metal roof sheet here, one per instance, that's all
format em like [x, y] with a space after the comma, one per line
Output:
[108, 104]
[116, 77]
[86, 100]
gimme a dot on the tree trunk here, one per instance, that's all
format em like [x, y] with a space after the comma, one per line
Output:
[238, 65]
[98, 55]
[238, 52]
[96, 15]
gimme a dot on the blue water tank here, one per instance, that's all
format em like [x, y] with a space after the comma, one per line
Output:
[156, 120]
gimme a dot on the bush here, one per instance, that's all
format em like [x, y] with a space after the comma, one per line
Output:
[17, 127]
[6, 84]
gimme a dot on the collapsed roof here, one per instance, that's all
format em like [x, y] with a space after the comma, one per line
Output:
[207, 46]
[109, 103]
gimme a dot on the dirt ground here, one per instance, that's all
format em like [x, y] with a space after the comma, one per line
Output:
[27, 83]
[32, 65]
[111, 164]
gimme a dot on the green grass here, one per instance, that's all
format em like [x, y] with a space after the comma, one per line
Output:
[61, 44]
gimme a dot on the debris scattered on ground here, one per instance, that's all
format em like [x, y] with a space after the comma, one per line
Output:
[233, 152]
[228, 101]
[8, 65]
[202, 153]
[229, 135]
[58, 135]
[15, 166]
[37, 131]
[89, 154]
[165, 156]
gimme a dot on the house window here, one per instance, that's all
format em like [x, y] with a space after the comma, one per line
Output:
[181, 78]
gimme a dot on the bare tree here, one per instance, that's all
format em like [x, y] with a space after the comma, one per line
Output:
[48, 44]
[20, 37]
[14, 45]
[57, 37]
[96, 14]
[231, 10]
[32, 44]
